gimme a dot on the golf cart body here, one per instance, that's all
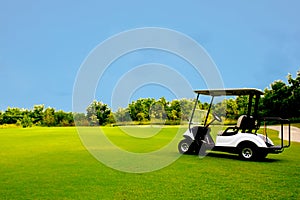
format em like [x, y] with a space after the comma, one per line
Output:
[242, 138]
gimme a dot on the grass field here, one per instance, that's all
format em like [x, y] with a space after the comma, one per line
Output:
[51, 163]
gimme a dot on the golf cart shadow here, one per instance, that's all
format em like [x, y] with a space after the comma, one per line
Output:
[236, 157]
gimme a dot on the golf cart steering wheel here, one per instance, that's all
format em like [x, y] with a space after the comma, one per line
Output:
[216, 117]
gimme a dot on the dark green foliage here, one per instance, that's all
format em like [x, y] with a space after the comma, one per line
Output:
[139, 110]
[242, 105]
[11, 115]
[232, 109]
[38, 116]
[26, 121]
[282, 100]
[295, 94]
[49, 118]
[63, 119]
[149, 109]
[98, 113]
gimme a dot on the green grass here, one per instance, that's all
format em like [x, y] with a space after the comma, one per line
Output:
[51, 163]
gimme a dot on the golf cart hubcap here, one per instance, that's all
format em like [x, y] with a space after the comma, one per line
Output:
[184, 147]
[247, 152]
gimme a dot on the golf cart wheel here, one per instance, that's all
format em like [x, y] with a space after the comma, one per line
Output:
[262, 156]
[248, 152]
[185, 146]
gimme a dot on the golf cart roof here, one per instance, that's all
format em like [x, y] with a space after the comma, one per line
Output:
[230, 92]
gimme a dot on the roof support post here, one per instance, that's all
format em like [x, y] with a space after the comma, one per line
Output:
[211, 101]
[249, 105]
[255, 114]
[196, 102]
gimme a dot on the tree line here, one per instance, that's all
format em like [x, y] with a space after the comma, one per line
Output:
[38, 116]
[281, 99]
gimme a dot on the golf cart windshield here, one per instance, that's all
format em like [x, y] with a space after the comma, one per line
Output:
[199, 117]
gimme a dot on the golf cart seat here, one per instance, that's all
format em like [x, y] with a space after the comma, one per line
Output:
[241, 125]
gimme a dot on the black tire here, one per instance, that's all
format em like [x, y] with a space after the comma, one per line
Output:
[185, 146]
[248, 152]
[262, 155]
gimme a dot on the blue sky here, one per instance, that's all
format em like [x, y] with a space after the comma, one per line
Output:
[44, 43]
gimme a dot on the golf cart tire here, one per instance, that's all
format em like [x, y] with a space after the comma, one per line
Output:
[186, 146]
[262, 155]
[248, 151]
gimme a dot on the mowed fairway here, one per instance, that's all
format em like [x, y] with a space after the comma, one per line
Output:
[52, 163]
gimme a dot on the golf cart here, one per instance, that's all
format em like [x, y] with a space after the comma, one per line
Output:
[241, 139]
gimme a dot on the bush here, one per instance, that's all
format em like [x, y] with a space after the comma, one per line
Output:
[25, 122]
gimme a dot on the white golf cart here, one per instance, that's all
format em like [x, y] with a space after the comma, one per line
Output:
[241, 139]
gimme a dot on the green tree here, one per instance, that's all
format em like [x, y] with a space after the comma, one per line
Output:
[63, 119]
[173, 115]
[203, 106]
[111, 118]
[140, 106]
[93, 120]
[220, 108]
[163, 102]
[276, 101]
[49, 117]
[98, 113]
[157, 113]
[26, 121]
[122, 115]
[231, 108]
[174, 111]
[80, 119]
[294, 100]
[140, 117]
[1, 117]
[242, 105]
[12, 115]
[186, 107]
[37, 114]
